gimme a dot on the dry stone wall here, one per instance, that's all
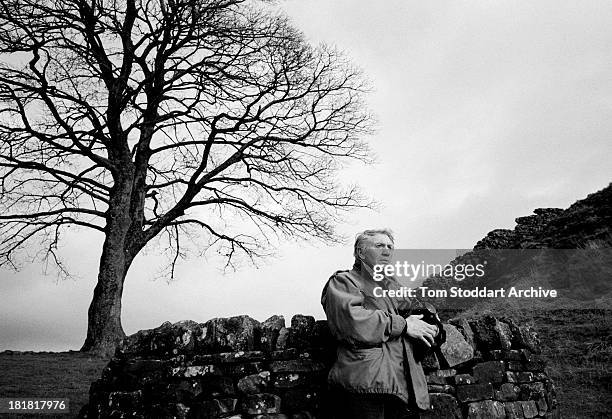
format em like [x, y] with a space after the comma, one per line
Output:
[240, 368]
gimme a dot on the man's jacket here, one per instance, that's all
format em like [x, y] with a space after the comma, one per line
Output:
[374, 355]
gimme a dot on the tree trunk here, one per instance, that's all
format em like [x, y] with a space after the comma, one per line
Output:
[104, 330]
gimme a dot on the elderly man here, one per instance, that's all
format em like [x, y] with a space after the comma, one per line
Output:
[376, 373]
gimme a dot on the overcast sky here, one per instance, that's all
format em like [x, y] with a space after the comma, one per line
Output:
[486, 111]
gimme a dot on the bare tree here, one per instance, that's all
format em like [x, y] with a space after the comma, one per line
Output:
[145, 118]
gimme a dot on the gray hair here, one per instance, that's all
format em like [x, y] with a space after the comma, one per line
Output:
[363, 236]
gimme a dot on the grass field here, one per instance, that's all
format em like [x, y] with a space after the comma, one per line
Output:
[577, 343]
[54, 374]
[578, 346]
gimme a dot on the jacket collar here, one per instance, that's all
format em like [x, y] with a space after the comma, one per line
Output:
[363, 273]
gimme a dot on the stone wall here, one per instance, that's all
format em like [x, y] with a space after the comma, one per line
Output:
[240, 368]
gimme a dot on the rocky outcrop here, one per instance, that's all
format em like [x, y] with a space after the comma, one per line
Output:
[241, 368]
[586, 221]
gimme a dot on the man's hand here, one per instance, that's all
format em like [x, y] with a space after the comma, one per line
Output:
[418, 329]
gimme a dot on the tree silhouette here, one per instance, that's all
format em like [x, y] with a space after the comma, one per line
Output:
[187, 118]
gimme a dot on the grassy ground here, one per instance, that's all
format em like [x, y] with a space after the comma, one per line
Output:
[577, 343]
[578, 347]
[62, 374]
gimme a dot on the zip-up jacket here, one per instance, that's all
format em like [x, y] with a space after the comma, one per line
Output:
[374, 354]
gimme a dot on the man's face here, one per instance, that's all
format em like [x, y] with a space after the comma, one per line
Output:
[376, 250]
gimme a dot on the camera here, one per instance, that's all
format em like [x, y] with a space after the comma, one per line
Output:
[430, 316]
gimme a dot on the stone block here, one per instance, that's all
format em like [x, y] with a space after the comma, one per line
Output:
[505, 335]
[296, 365]
[532, 391]
[283, 337]
[513, 355]
[523, 336]
[464, 379]
[529, 339]
[125, 400]
[302, 415]
[436, 388]
[487, 409]
[239, 333]
[214, 408]
[284, 354]
[229, 357]
[507, 392]
[542, 406]
[464, 327]
[145, 366]
[136, 343]
[525, 377]
[181, 411]
[304, 399]
[255, 383]
[177, 338]
[183, 391]
[511, 377]
[301, 333]
[240, 370]
[285, 380]
[491, 334]
[443, 406]
[322, 336]
[263, 403]
[494, 355]
[478, 357]
[500, 354]
[327, 355]
[270, 329]
[167, 339]
[448, 373]
[433, 378]
[455, 350]
[126, 381]
[489, 372]
[194, 371]
[474, 392]
[114, 367]
[179, 360]
[514, 366]
[530, 410]
[170, 410]
[514, 410]
[213, 386]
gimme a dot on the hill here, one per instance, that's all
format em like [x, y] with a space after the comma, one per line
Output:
[566, 250]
